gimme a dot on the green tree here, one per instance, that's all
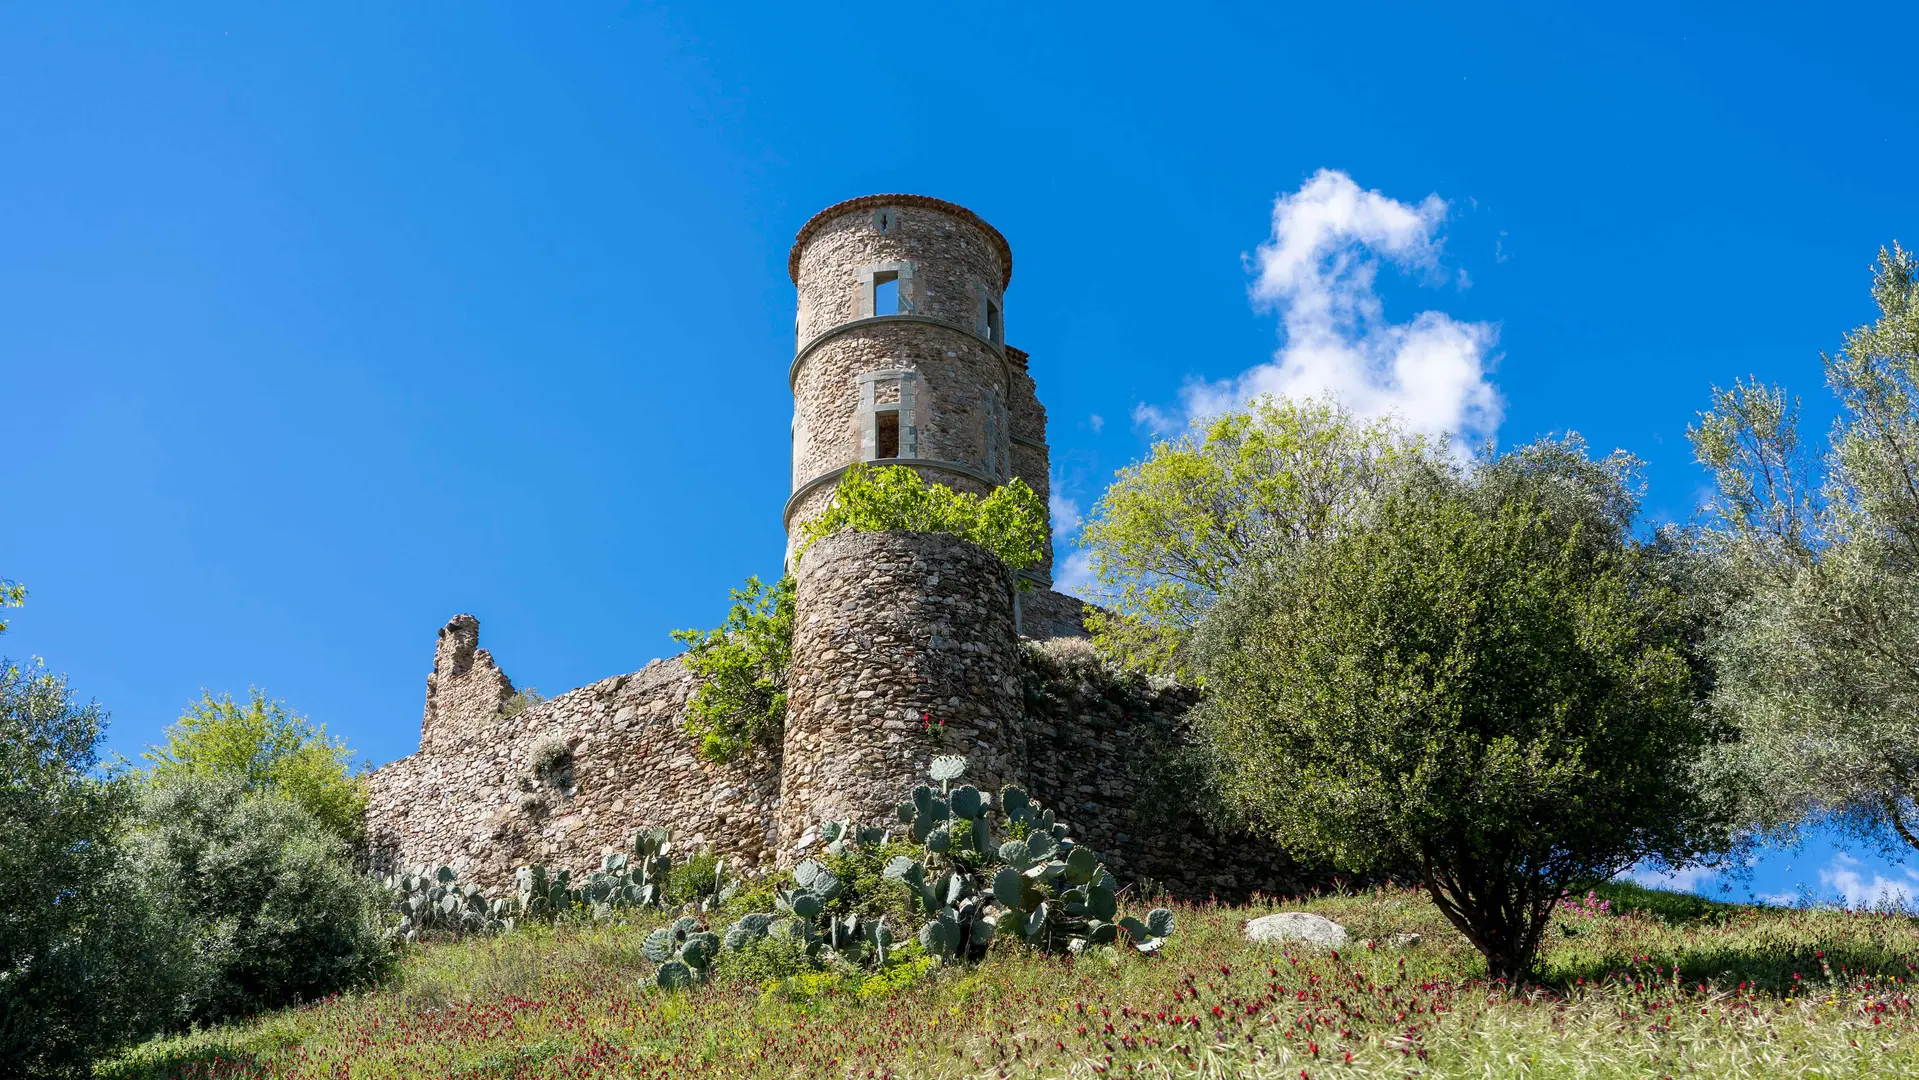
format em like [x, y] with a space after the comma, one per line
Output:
[1481, 682]
[1171, 532]
[266, 747]
[86, 964]
[741, 668]
[12, 594]
[1818, 649]
[264, 890]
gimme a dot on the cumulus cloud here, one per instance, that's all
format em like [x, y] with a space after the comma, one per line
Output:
[1318, 269]
[1072, 570]
[1688, 880]
[1844, 877]
[1066, 516]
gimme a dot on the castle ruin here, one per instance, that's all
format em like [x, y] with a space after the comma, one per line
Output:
[900, 359]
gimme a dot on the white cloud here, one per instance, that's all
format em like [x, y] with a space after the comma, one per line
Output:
[1843, 876]
[1318, 270]
[1073, 575]
[1687, 880]
[1066, 517]
[1096, 422]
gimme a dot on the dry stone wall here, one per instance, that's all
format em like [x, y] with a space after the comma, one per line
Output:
[476, 805]
[1108, 752]
[894, 631]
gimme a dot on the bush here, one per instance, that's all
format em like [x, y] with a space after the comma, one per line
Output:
[265, 890]
[1010, 522]
[85, 963]
[267, 747]
[741, 668]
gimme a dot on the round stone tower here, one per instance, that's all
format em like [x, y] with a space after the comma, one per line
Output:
[903, 649]
[900, 355]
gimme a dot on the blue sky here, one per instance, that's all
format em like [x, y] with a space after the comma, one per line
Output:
[321, 323]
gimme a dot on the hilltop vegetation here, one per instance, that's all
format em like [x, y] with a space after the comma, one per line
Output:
[1638, 983]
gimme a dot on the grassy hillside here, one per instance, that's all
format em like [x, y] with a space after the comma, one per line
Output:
[1645, 984]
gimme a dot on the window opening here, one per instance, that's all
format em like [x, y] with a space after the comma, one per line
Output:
[886, 434]
[992, 322]
[886, 292]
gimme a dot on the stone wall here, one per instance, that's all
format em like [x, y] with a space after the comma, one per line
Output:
[894, 630]
[1109, 753]
[474, 804]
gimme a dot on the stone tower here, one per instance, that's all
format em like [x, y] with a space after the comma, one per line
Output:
[900, 353]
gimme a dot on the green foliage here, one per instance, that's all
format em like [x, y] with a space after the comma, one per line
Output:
[1010, 522]
[12, 594]
[741, 667]
[1482, 683]
[1034, 885]
[73, 921]
[565, 1005]
[264, 890]
[266, 747]
[1820, 563]
[1171, 531]
[521, 701]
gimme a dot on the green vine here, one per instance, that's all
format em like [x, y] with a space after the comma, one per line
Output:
[1010, 522]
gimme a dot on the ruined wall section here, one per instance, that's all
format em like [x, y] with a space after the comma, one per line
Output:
[892, 630]
[1030, 457]
[474, 804]
[465, 690]
[1107, 751]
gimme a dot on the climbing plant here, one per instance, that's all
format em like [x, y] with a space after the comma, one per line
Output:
[741, 666]
[1010, 522]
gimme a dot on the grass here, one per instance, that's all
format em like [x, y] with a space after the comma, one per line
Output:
[1639, 983]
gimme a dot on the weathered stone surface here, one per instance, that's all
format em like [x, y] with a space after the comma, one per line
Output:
[467, 798]
[1297, 926]
[975, 419]
[896, 631]
[903, 649]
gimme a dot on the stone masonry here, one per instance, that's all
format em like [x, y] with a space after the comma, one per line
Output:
[900, 358]
[895, 632]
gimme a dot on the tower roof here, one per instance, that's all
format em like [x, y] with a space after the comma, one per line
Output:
[923, 202]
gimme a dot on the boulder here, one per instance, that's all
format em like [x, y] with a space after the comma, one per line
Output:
[1297, 926]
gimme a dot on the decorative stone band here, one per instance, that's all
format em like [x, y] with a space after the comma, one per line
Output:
[824, 336]
[1024, 440]
[956, 468]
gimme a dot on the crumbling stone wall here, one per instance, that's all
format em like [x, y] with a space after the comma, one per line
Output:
[892, 630]
[473, 803]
[465, 690]
[1105, 750]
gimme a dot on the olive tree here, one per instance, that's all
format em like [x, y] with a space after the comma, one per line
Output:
[1481, 682]
[86, 962]
[1818, 649]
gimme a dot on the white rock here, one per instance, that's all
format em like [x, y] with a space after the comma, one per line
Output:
[1297, 926]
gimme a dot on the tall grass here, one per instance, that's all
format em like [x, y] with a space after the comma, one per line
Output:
[1636, 985]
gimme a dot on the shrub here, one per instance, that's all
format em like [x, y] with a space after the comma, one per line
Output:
[267, 747]
[741, 668]
[85, 963]
[1010, 522]
[550, 764]
[266, 891]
